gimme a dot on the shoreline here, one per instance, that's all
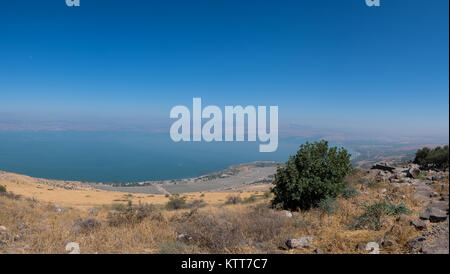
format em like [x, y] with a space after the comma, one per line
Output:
[235, 176]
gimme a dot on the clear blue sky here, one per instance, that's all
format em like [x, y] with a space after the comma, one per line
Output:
[325, 63]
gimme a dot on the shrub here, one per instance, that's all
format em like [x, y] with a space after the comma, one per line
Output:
[373, 214]
[176, 202]
[350, 192]
[313, 174]
[225, 231]
[233, 200]
[2, 189]
[86, 225]
[267, 195]
[435, 158]
[328, 205]
[373, 184]
[130, 214]
[361, 180]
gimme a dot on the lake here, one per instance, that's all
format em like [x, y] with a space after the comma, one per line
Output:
[124, 156]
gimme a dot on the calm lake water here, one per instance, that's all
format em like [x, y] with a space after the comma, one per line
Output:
[124, 156]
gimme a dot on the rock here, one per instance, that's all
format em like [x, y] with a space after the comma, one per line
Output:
[383, 166]
[58, 208]
[302, 242]
[416, 244]
[437, 215]
[402, 218]
[422, 196]
[419, 224]
[387, 241]
[413, 172]
[434, 194]
[442, 205]
[433, 214]
[361, 247]
[287, 213]
[437, 177]
[373, 248]
[318, 251]
[435, 250]
[2, 228]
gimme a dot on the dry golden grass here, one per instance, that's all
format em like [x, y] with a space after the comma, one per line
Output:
[35, 226]
[94, 197]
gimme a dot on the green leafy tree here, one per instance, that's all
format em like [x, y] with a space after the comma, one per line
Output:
[315, 173]
[437, 157]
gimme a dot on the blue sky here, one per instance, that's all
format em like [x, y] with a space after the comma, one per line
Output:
[325, 63]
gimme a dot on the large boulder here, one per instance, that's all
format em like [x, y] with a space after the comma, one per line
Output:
[433, 214]
[413, 172]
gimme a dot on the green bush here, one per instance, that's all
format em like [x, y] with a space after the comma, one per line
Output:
[313, 174]
[2, 189]
[350, 192]
[436, 158]
[328, 205]
[373, 214]
[373, 184]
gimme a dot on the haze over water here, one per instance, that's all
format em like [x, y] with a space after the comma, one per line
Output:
[123, 156]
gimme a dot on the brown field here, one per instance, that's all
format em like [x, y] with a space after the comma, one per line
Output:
[44, 219]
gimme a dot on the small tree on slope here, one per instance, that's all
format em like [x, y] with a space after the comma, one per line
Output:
[316, 172]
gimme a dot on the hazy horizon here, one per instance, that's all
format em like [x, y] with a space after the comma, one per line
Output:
[338, 69]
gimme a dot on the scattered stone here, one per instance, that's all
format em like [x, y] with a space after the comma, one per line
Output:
[302, 242]
[287, 213]
[437, 215]
[413, 172]
[437, 177]
[419, 224]
[434, 194]
[435, 250]
[442, 205]
[2, 228]
[433, 214]
[318, 251]
[387, 241]
[416, 244]
[402, 218]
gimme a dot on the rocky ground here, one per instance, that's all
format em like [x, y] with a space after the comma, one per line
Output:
[431, 190]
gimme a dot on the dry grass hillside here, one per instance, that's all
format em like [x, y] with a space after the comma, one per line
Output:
[39, 218]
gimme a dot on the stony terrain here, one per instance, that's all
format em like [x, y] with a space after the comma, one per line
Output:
[431, 190]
